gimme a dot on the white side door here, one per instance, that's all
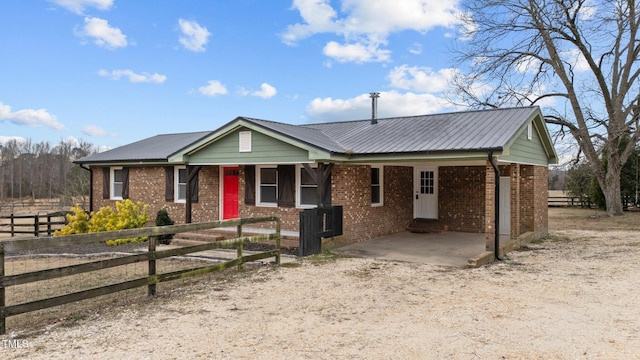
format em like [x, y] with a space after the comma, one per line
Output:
[425, 183]
[505, 206]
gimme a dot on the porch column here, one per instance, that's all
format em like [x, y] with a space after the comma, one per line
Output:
[489, 207]
[515, 200]
[322, 177]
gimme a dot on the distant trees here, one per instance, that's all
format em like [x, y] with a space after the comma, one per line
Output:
[40, 170]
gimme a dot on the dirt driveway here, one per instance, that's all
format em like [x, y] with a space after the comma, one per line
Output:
[574, 296]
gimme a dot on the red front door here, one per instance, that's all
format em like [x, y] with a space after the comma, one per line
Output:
[230, 193]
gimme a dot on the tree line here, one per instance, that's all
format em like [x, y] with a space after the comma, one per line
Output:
[41, 170]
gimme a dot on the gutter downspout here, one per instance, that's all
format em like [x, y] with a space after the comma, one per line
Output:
[90, 187]
[496, 241]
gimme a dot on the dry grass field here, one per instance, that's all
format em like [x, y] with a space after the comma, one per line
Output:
[573, 295]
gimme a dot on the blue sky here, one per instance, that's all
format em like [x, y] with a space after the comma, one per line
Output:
[111, 72]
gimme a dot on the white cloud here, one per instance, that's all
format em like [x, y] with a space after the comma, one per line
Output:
[416, 49]
[213, 88]
[358, 53]
[529, 64]
[6, 139]
[576, 59]
[94, 130]
[422, 79]
[78, 6]
[30, 117]
[102, 33]
[366, 24]
[194, 37]
[390, 104]
[134, 77]
[266, 91]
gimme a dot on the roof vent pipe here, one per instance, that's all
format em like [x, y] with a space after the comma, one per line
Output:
[374, 106]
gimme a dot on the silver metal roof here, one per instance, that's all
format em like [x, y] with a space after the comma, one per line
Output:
[156, 148]
[478, 130]
[460, 131]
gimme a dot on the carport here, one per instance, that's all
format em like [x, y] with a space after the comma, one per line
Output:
[458, 249]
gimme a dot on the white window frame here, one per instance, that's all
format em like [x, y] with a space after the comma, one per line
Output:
[259, 185]
[112, 184]
[299, 187]
[381, 184]
[176, 184]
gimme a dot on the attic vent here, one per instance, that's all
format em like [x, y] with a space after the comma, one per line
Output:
[244, 141]
[374, 106]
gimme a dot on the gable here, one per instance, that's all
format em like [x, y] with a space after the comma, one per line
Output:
[528, 151]
[263, 150]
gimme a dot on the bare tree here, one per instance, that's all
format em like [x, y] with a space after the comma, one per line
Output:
[578, 59]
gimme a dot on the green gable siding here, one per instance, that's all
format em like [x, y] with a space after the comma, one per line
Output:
[527, 151]
[264, 150]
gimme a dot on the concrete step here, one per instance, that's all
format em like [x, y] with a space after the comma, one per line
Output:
[419, 225]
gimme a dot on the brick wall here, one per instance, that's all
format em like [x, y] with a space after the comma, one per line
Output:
[351, 189]
[147, 184]
[461, 198]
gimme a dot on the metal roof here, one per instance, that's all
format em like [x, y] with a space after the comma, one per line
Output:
[156, 148]
[459, 131]
[477, 130]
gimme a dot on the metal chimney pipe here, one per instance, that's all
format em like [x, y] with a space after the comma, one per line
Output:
[374, 106]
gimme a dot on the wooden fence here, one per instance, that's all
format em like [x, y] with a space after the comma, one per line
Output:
[568, 201]
[33, 224]
[150, 256]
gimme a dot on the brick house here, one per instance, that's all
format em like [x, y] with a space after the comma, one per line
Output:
[473, 171]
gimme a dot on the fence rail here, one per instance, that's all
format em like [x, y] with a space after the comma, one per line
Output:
[568, 201]
[151, 256]
[33, 224]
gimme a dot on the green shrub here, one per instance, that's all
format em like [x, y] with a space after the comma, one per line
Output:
[163, 219]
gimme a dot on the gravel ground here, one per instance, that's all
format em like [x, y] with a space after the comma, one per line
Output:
[574, 296]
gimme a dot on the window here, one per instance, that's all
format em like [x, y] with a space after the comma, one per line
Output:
[376, 185]
[308, 188]
[267, 186]
[427, 182]
[181, 184]
[117, 183]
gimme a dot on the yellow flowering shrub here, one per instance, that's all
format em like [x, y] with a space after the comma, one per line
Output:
[127, 215]
[77, 222]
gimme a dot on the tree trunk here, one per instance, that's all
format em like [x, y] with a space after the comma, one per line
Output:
[611, 190]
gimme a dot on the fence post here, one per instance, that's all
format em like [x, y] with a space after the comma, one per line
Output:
[151, 289]
[36, 225]
[3, 324]
[240, 246]
[13, 225]
[48, 224]
[278, 240]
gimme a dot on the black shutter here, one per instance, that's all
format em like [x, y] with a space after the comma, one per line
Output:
[250, 184]
[286, 185]
[105, 182]
[192, 181]
[125, 183]
[168, 183]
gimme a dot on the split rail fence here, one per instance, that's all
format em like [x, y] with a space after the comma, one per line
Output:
[150, 256]
[33, 224]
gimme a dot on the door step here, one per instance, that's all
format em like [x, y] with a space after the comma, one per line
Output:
[419, 225]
